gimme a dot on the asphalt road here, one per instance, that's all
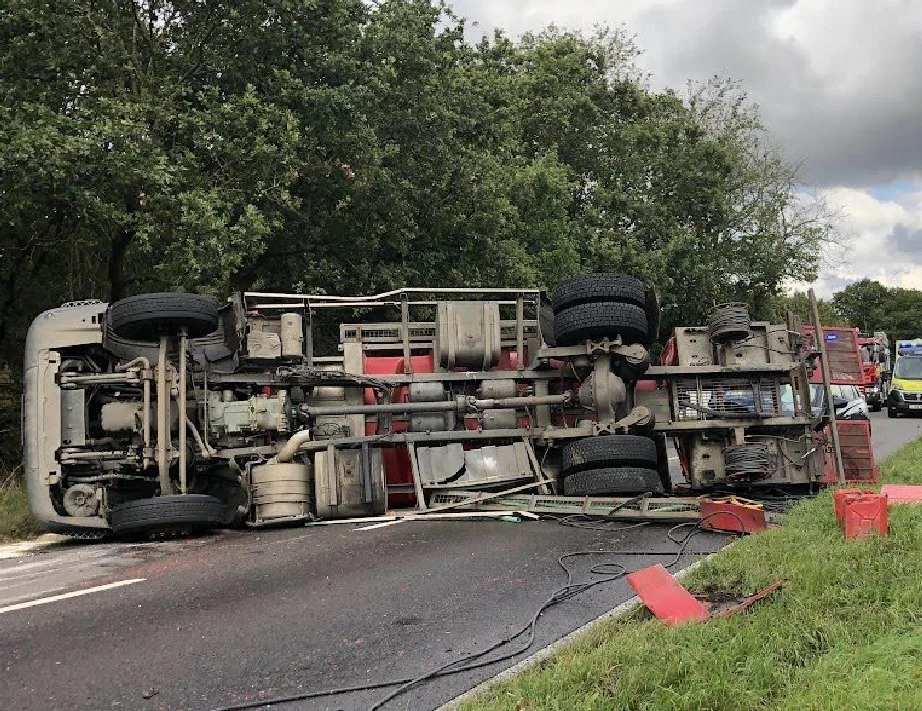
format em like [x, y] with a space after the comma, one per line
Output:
[889, 434]
[244, 615]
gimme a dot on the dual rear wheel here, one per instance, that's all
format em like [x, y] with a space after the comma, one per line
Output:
[611, 465]
[597, 306]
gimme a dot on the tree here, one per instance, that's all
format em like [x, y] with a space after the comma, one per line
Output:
[153, 141]
[345, 146]
[874, 307]
[799, 303]
[866, 303]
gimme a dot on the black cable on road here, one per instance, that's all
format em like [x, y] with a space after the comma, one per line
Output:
[475, 660]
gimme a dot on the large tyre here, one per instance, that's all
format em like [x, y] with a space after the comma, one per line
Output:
[604, 319]
[592, 288]
[146, 317]
[188, 511]
[608, 451]
[628, 481]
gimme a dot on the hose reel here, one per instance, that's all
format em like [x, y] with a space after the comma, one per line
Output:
[747, 462]
[728, 322]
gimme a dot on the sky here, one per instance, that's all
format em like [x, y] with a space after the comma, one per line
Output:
[838, 83]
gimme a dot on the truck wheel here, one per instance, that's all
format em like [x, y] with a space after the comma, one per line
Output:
[628, 481]
[603, 319]
[166, 513]
[591, 288]
[146, 317]
[609, 451]
[876, 407]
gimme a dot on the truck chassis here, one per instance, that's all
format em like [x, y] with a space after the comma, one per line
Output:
[163, 410]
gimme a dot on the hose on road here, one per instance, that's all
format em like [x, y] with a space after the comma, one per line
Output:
[609, 572]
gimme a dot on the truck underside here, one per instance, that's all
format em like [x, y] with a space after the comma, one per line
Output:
[162, 410]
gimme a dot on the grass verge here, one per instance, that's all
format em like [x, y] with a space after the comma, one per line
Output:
[844, 634]
[15, 523]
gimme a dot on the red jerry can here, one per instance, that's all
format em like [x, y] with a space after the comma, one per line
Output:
[838, 501]
[865, 514]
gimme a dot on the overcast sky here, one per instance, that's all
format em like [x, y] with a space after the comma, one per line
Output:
[839, 83]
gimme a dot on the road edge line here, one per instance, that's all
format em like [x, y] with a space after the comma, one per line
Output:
[550, 650]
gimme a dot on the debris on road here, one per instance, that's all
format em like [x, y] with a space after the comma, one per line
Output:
[665, 597]
[733, 515]
[636, 508]
[670, 602]
[454, 515]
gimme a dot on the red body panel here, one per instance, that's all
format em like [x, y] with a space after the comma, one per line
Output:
[902, 493]
[857, 453]
[732, 516]
[397, 467]
[665, 598]
[844, 352]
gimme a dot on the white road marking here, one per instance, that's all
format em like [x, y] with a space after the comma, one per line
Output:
[67, 596]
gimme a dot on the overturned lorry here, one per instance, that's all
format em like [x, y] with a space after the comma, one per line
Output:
[163, 410]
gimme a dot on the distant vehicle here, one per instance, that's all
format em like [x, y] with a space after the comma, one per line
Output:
[906, 385]
[876, 364]
[742, 402]
[847, 399]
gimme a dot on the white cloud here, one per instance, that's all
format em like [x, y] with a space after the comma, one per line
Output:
[885, 244]
[837, 82]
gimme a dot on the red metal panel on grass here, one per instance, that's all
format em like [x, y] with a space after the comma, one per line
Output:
[902, 493]
[664, 597]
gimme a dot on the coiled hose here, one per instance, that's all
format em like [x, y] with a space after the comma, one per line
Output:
[728, 322]
[746, 462]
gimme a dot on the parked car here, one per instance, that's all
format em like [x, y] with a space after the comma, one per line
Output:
[847, 399]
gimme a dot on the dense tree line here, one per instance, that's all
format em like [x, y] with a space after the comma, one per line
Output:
[346, 146]
[871, 306]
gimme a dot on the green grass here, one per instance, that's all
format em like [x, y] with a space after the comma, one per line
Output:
[846, 632]
[15, 523]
